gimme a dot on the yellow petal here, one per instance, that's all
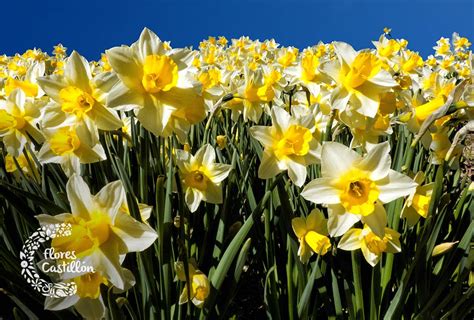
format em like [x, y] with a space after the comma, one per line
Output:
[443, 248]
[319, 244]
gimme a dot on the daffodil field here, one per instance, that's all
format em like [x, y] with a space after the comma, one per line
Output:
[241, 179]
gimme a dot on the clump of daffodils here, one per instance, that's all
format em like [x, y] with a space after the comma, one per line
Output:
[327, 120]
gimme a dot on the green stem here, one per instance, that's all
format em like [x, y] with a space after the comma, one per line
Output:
[356, 274]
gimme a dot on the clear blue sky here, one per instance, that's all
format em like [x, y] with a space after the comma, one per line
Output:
[90, 26]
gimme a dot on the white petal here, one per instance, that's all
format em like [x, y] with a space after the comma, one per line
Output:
[377, 161]
[369, 256]
[350, 240]
[52, 85]
[280, 119]
[148, 44]
[377, 220]
[77, 70]
[60, 303]
[91, 308]
[79, 196]
[297, 172]
[110, 198]
[383, 79]
[122, 98]
[136, 235]
[219, 172]
[345, 51]
[336, 159]
[107, 261]
[395, 186]
[105, 118]
[123, 61]
[321, 191]
[339, 98]
[206, 155]
[340, 221]
[193, 198]
[268, 166]
[262, 134]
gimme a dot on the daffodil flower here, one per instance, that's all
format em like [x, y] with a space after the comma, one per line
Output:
[77, 97]
[18, 119]
[28, 84]
[201, 176]
[312, 234]
[199, 288]
[355, 187]
[101, 230]
[70, 146]
[257, 91]
[360, 79]
[289, 145]
[371, 244]
[417, 204]
[154, 82]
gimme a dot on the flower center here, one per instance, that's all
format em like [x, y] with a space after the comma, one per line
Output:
[64, 141]
[30, 89]
[88, 285]
[375, 244]
[295, 141]
[76, 101]
[196, 179]
[358, 193]
[86, 235]
[365, 66]
[160, 73]
[309, 65]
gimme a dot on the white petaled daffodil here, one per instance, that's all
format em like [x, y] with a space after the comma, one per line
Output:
[77, 97]
[18, 118]
[200, 286]
[371, 244]
[355, 187]
[312, 234]
[154, 81]
[70, 146]
[289, 145]
[102, 232]
[360, 80]
[201, 176]
[256, 92]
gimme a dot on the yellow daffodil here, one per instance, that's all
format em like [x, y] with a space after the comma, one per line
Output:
[418, 203]
[360, 80]
[101, 230]
[27, 166]
[355, 187]
[312, 234]
[154, 82]
[18, 118]
[201, 176]
[200, 286]
[289, 145]
[370, 243]
[77, 97]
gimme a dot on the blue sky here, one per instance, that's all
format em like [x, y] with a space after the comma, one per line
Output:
[90, 27]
